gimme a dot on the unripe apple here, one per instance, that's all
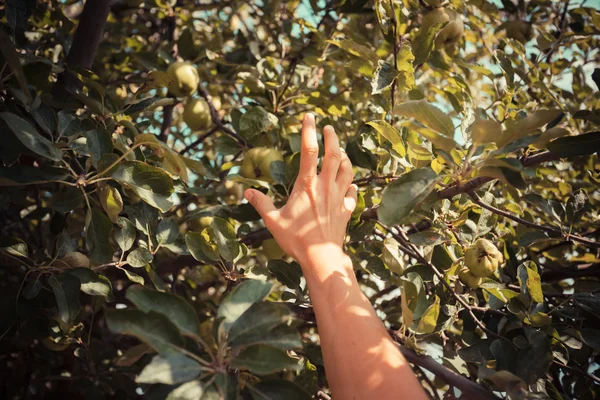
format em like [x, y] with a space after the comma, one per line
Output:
[196, 114]
[184, 79]
[272, 250]
[483, 258]
[200, 223]
[257, 163]
[469, 279]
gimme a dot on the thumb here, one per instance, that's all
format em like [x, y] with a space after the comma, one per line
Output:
[261, 202]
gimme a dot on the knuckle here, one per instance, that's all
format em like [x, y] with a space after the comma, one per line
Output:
[335, 155]
[311, 150]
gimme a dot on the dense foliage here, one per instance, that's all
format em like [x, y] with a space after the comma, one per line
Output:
[131, 266]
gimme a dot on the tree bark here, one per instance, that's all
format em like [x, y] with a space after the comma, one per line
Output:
[85, 44]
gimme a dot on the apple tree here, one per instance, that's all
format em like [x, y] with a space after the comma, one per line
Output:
[132, 267]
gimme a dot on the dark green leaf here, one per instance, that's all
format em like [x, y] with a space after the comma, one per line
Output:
[240, 299]
[139, 257]
[571, 146]
[66, 291]
[179, 311]
[152, 328]
[17, 13]
[69, 199]
[226, 239]
[404, 194]
[152, 184]
[383, 77]
[167, 231]
[428, 115]
[30, 138]
[99, 229]
[199, 245]
[278, 389]
[263, 360]
[92, 283]
[257, 320]
[13, 246]
[255, 121]
[24, 174]
[169, 369]
[286, 273]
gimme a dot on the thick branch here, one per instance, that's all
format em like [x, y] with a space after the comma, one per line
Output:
[85, 43]
[470, 389]
[567, 236]
[474, 183]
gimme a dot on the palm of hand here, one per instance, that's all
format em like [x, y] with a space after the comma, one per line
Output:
[319, 206]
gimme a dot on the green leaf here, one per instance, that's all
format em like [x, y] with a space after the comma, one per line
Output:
[125, 233]
[591, 337]
[69, 199]
[278, 389]
[404, 194]
[285, 273]
[240, 299]
[391, 134]
[356, 49]
[263, 360]
[526, 126]
[139, 257]
[68, 124]
[19, 10]
[152, 184]
[24, 174]
[167, 231]
[111, 201]
[97, 237]
[429, 319]
[572, 146]
[169, 369]
[30, 138]
[92, 283]
[226, 239]
[533, 362]
[576, 204]
[383, 77]
[66, 291]
[405, 80]
[192, 390]
[255, 121]
[179, 311]
[424, 42]
[13, 246]
[257, 320]
[428, 115]
[199, 245]
[283, 337]
[152, 328]
[484, 131]
[530, 281]
[133, 277]
[426, 238]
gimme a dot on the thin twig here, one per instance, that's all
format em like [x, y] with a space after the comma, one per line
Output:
[200, 139]
[567, 236]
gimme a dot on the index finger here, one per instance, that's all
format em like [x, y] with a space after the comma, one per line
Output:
[309, 154]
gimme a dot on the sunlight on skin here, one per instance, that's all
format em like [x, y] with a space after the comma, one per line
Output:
[361, 360]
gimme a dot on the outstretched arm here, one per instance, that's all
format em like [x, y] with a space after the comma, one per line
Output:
[361, 360]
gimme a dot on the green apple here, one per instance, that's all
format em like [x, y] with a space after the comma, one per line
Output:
[184, 78]
[257, 163]
[469, 279]
[483, 258]
[200, 223]
[196, 114]
[272, 250]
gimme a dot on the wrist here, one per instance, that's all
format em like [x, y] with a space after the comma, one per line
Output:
[322, 260]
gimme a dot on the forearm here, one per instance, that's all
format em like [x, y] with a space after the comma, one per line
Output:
[361, 360]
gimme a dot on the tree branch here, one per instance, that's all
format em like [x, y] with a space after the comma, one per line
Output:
[85, 44]
[567, 236]
[470, 389]
[474, 183]
[214, 115]
[200, 139]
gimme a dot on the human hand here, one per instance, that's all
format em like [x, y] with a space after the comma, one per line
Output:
[319, 208]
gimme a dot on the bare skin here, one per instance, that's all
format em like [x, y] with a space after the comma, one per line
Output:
[361, 360]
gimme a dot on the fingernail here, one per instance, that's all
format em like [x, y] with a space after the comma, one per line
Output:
[309, 117]
[248, 195]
